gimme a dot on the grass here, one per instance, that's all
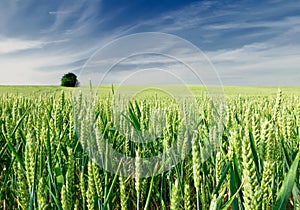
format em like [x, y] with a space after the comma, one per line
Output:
[48, 143]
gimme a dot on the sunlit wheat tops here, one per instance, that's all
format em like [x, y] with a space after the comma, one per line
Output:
[54, 149]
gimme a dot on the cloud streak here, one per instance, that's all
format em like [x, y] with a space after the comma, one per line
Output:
[257, 47]
[14, 45]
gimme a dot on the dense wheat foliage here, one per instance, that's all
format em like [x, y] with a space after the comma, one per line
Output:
[46, 163]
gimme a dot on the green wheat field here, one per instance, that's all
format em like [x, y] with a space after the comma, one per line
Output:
[46, 138]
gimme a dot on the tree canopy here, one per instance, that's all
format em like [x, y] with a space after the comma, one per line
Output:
[69, 80]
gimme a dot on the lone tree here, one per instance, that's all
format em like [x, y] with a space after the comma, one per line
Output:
[69, 80]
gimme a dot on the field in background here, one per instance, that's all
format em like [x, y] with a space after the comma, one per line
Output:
[195, 89]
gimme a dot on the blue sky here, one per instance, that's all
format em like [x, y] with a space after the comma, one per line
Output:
[248, 42]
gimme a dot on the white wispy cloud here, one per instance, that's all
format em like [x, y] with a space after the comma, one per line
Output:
[284, 23]
[253, 45]
[40, 55]
[14, 45]
[258, 64]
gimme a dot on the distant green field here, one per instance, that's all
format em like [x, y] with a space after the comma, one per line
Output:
[28, 90]
[132, 89]
[261, 91]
